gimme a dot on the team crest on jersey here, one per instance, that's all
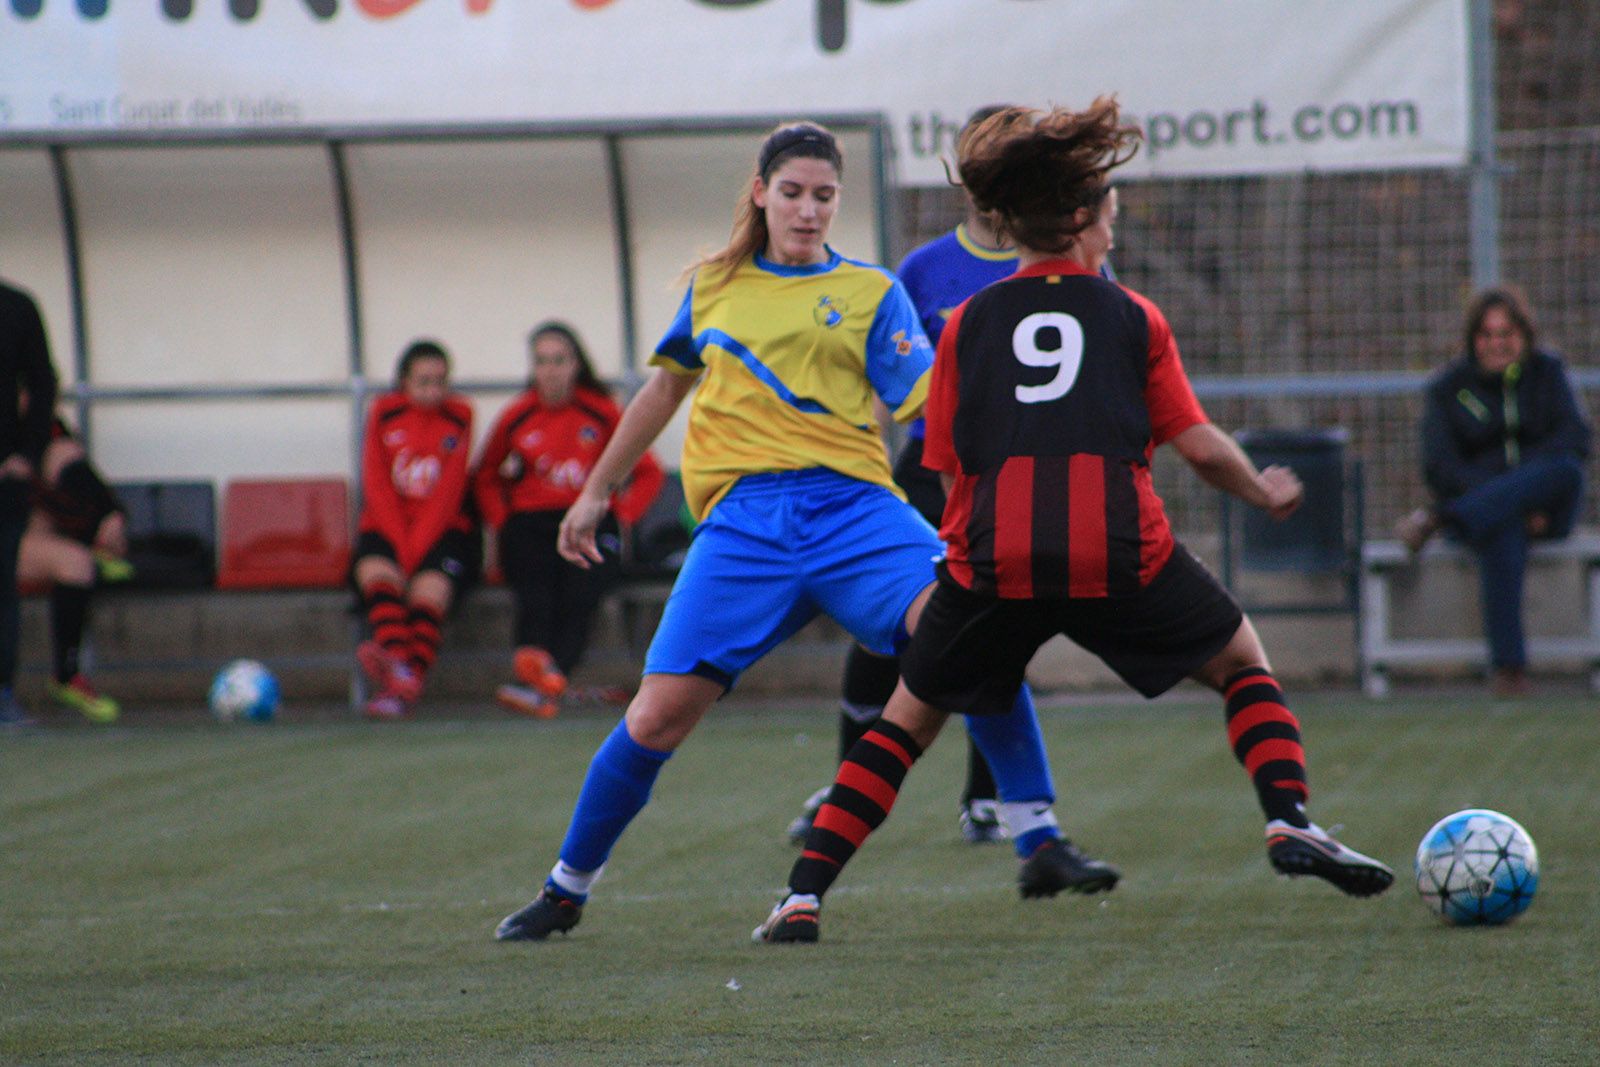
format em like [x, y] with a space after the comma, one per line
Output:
[902, 344]
[394, 438]
[414, 475]
[588, 435]
[829, 311]
[450, 442]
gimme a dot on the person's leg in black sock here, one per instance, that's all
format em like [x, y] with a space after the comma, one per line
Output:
[69, 614]
[980, 810]
[13, 520]
[868, 682]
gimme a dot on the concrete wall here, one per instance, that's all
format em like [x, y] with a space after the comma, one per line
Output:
[163, 647]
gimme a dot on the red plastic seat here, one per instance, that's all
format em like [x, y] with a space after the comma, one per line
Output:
[285, 534]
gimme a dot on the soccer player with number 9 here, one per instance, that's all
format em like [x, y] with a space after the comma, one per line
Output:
[1050, 392]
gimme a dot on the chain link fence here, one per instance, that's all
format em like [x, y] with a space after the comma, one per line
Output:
[1365, 276]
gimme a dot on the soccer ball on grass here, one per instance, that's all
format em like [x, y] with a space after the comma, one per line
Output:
[1477, 868]
[244, 689]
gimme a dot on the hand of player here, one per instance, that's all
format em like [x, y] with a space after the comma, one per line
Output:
[576, 542]
[112, 537]
[1282, 492]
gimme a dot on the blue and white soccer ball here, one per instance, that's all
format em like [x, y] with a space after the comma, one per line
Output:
[1477, 868]
[244, 689]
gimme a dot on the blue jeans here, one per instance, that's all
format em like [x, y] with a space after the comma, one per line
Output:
[1492, 519]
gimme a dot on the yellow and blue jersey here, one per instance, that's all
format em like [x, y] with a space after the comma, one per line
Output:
[790, 358]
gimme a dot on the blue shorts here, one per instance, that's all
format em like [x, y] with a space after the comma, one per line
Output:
[781, 548]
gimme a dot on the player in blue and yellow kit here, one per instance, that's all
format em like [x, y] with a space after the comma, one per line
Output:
[785, 471]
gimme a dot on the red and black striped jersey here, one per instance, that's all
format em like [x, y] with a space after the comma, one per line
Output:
[414, 473]
[538, 457]
[1050, 391]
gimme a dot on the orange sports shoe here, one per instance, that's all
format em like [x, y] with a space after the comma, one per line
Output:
[526, 700]
[534, 667]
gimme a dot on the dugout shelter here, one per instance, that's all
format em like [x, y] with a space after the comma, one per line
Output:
[222, 307]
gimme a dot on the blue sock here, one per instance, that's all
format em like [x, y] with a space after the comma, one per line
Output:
[614, 791]
[1014, 749]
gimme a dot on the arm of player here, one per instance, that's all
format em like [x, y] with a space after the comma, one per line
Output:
[646, 416]
[644, 485]
[898, 355]
[380, 504]
[1222, 464]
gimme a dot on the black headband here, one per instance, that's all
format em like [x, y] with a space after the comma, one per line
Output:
[792, 137]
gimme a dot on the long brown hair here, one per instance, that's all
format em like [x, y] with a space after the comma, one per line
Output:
[788, 140]
[586, 377]
[1034, 170]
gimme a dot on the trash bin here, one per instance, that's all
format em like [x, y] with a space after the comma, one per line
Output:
[1313, 539]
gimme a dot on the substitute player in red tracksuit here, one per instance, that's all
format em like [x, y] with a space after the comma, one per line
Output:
[534, 463]
[1050, 392]
[418, 543]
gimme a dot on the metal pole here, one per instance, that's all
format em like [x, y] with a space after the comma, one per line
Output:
[622, 233]
[358, 381]
[881, 191]
[80, 321]
[1483, 197]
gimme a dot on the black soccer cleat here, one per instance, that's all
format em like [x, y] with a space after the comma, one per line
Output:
[1057, 865]
[1296, 852]
[547, 913]
[794, 920]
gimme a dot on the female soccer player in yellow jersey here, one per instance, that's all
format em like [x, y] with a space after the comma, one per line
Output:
[798, 514]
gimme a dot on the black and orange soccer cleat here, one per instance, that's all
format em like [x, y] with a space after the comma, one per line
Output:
[794, 920]
[1312, 851]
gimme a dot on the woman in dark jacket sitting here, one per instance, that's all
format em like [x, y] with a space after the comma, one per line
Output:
[1503, 442]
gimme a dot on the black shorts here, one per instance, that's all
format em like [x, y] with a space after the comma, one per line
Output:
[970, 652]
[458, 555]
[922, 486]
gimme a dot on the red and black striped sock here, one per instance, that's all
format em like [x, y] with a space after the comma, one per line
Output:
[863, 793]
[386, 618]
[425, 623]
[1265, 737]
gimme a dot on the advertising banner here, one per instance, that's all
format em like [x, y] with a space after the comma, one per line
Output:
[1221, 87]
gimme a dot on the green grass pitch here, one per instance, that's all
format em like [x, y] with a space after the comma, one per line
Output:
[315, 891]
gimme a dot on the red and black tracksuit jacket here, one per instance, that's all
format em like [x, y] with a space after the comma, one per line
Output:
[414, 474]
[1049, 393]
[538, 457]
